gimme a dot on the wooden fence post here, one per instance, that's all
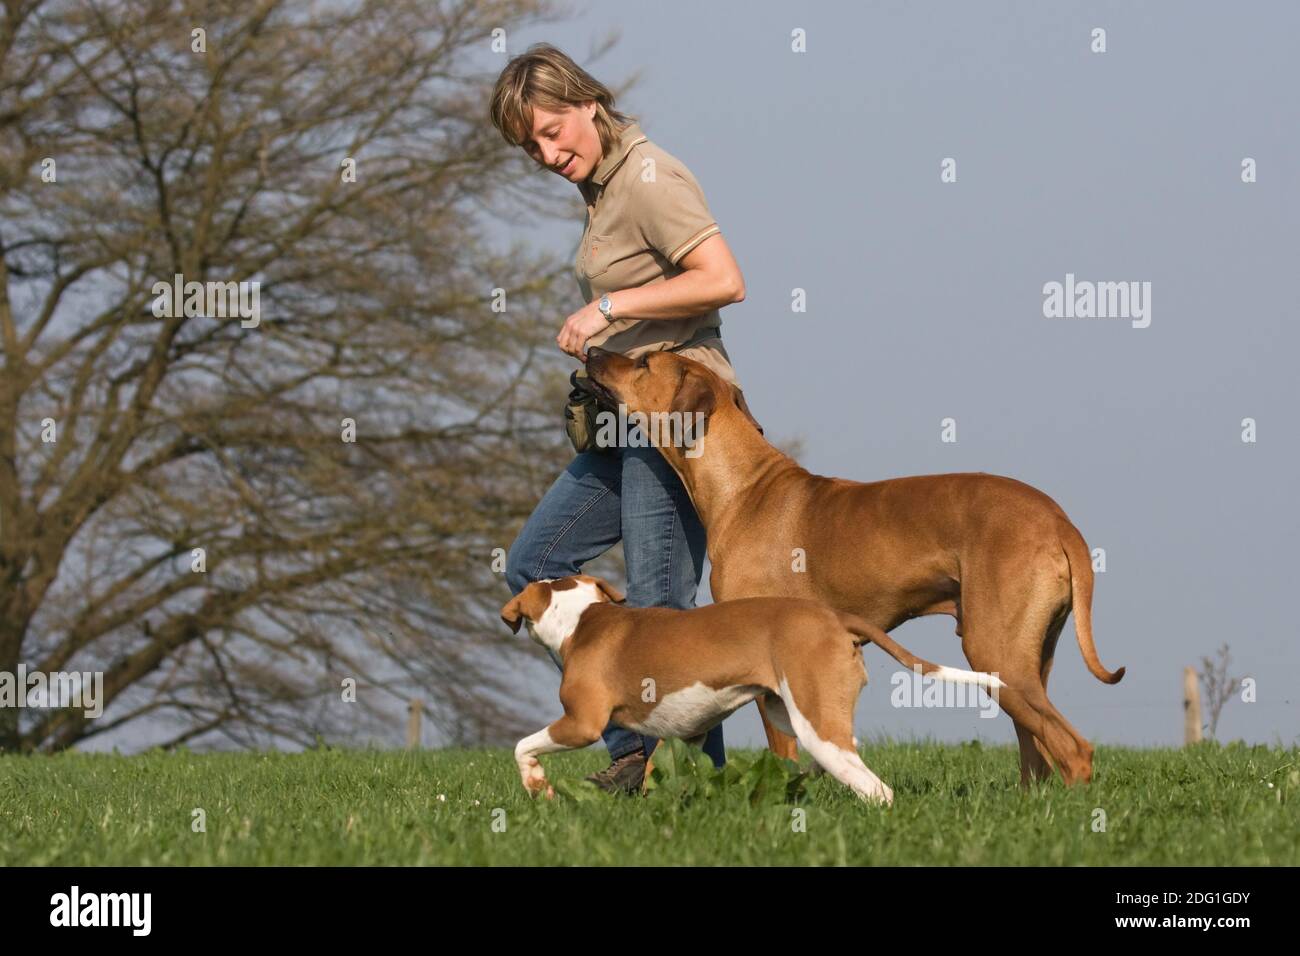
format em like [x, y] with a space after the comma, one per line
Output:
[1191, 707]
[413, 710]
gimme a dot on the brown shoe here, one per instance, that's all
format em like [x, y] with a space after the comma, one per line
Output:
[624, 775]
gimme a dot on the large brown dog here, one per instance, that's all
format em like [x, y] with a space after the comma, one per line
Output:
[998, 555]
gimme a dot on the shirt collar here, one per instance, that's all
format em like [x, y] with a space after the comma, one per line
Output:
[630, 137]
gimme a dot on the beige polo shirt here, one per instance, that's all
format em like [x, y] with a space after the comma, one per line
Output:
[645, 211]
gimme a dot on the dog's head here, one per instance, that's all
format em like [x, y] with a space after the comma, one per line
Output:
[662, 382]
[551, 607]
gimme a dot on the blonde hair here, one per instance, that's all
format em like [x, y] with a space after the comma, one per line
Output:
[545, 77]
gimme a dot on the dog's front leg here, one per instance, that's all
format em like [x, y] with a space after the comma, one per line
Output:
[567, 733]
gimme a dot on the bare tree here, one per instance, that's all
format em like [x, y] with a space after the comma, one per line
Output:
[1219, 687]
[232, 516]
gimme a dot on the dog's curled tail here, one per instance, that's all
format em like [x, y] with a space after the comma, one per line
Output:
[1080, 562]
[871, 634]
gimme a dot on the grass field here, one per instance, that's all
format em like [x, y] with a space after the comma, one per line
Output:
[954, 804]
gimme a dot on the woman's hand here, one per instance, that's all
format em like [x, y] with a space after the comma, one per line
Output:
[579, 327]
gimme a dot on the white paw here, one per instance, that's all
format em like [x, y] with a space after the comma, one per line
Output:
[532, 775]
[880, 794]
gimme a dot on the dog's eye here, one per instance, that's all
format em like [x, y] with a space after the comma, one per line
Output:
[643, 361]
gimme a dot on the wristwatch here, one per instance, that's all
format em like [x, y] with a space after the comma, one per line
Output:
[606, 308]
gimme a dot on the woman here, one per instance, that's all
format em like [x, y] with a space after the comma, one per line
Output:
[653, 269]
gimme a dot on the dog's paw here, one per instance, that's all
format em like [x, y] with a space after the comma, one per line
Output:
[539, 788]
[881, 796]
[534, 778]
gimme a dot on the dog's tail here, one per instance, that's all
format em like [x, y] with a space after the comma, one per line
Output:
[871, 634]
[1080, 562]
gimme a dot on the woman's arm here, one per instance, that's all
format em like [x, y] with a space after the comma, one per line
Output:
[711, 280]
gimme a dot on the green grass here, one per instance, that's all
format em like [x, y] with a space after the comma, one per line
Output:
[954, 804]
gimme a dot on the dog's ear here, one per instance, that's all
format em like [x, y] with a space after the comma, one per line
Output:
[739, 398]
[693, 394]
[511, 613]
[610, 590]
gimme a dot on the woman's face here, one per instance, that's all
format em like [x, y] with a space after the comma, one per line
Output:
[566, 143]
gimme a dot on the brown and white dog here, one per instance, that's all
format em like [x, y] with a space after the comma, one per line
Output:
[673, 673]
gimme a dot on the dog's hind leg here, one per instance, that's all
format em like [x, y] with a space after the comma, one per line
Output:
[1015, 592]
[826, 732]
[1023, 699]
[780, 718]
[1035, 760]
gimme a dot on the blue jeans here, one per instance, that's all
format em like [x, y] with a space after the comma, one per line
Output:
[634, 494]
